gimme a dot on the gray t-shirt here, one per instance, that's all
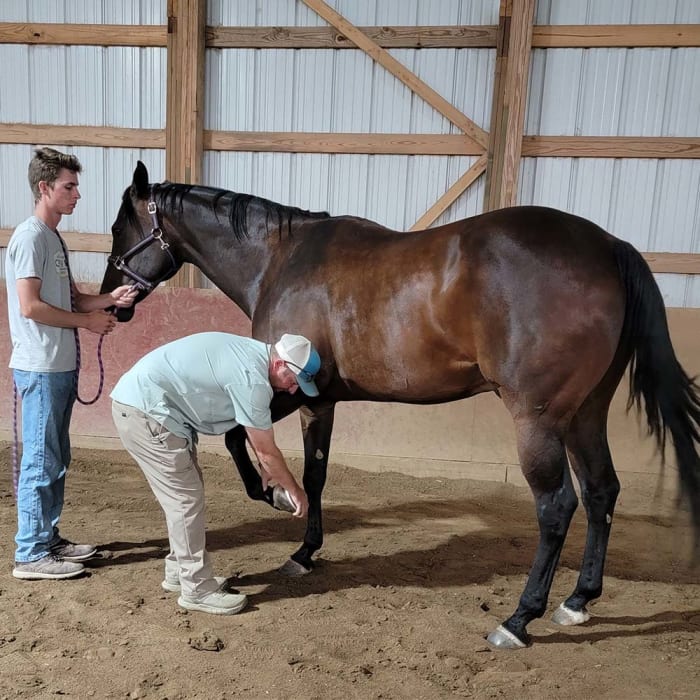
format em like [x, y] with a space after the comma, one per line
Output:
[35, 250]
[204, 383]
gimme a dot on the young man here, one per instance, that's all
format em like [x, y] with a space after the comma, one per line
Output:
[42, 321]
[207, 383]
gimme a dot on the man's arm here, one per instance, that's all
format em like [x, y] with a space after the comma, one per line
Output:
[120, 297]
[275, 466]
[32, 306]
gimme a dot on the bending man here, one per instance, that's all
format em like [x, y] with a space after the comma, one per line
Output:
[206, 383]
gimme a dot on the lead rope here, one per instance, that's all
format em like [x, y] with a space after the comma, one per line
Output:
[76, 334]
[15, 463]
[15, 435]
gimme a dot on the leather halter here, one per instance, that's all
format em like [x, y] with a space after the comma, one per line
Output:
[121, 262]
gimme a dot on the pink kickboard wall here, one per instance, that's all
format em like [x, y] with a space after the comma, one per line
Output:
[169, 313]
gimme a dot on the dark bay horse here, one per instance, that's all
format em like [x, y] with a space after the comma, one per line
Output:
[544, 308]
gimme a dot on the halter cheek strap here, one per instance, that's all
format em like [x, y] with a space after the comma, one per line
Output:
[121, 262]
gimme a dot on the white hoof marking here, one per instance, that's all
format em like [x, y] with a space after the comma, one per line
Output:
[292, 568]
[567, 617]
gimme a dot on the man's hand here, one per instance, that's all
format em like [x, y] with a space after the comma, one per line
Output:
[300, 500]
[100, 322]
[124, 296]
[274, 470]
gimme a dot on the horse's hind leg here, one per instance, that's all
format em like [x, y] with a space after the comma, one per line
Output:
[544, 464]
[589, 453]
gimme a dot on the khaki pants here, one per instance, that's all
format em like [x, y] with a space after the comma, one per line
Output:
[171, 469]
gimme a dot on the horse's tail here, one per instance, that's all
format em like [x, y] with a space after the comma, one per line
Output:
[671, 397]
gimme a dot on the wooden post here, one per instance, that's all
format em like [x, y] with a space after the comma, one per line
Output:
[509, 100]
[184, 127]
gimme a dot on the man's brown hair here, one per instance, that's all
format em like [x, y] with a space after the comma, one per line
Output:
[46, 164]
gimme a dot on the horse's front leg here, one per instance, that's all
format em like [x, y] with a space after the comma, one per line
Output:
[317, 427]
[235, 443]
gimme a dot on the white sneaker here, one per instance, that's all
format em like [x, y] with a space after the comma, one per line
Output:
[217, 603]
[172, 584]
[48, 567]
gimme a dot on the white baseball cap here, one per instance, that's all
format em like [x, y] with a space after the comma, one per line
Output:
[301, 357]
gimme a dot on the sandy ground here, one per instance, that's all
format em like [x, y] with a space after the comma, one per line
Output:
[412, 575]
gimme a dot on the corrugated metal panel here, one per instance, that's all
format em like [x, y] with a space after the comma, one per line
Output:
[345, 91]
[617, 12]
[361, 12]
[90, 85]
[620, 92]
[573, 91]
[655, 205]
[16, 201]
[85, 11]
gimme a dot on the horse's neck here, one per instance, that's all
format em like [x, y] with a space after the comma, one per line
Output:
[234, 266]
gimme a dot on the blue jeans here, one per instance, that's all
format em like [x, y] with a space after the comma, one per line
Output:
[47, 404]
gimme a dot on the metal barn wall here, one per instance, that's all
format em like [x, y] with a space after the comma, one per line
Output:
[644, 91]
[654, 204]
[90, 85]
[345, 91]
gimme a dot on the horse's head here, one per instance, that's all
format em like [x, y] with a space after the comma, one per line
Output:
[140, 255]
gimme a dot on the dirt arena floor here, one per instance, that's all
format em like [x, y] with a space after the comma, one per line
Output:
[412, 575]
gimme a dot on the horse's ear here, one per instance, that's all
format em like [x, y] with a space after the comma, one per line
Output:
[139, 186]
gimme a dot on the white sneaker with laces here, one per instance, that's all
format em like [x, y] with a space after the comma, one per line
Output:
[217, 603]
[48, 567]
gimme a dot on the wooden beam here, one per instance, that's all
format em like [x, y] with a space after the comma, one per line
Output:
[309, 142]
[387, 61]
[509, 101]
[185, 119]
[451, 195]
[675, 263]
[76, 242]
[611, 146]
[83, 34]
[675, 147]
[460, 37]
[476, 36]
[105, 136]
[615, 35]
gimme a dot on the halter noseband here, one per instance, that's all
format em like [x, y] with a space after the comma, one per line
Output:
[121, 262]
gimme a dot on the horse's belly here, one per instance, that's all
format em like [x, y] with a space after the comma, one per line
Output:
[424, 382]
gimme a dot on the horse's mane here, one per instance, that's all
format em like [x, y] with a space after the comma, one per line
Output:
[172, 196]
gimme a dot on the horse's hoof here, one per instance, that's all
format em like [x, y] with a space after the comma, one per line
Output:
[282, 500]
[501, 638]
[293, 568]
[567, 616]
